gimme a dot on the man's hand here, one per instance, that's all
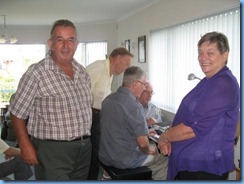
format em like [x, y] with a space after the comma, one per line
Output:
[151, 121]
[29, 154]
[152, 150]
[151, 133]
[11, 152]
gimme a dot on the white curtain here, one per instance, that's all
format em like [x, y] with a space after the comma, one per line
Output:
[173, 55]
[95, 51]
[87, 53]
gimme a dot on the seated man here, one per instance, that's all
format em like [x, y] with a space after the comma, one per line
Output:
[124, 133]
[14, 163]
[152, 113]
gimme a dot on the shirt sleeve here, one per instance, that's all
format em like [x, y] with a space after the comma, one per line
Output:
[25, 94]
[211, 105]
[154, 112]
[3, 146]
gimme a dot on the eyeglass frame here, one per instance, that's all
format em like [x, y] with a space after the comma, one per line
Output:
[144, 84]
[149, 93]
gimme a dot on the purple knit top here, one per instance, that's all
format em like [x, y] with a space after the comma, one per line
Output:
[211, 110]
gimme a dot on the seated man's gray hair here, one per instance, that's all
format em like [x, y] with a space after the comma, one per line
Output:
[131, 74]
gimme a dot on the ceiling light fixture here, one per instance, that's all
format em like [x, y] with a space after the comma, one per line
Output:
[4, 38]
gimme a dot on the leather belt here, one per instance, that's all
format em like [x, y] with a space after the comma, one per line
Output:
[77, 139]
[96, 111]
[81, 138]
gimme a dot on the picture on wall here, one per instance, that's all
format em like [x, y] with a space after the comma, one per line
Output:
[127, 45]
[142, 49]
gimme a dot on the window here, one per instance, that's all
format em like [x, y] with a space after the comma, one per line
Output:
[173, 55]
[14, 61]
[87, 53]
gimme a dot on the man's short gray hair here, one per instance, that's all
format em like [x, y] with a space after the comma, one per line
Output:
[64, 23]
[131, 74]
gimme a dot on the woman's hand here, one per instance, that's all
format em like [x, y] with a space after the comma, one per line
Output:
[165, 147]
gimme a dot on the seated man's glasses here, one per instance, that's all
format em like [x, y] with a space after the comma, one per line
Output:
[148, 92]
[144, 84]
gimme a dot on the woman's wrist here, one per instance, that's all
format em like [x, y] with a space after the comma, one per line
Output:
[165, 137]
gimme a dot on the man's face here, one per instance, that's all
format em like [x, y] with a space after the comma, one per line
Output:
[63, 44]
[122, 63]
[146, 95]
[141, 85]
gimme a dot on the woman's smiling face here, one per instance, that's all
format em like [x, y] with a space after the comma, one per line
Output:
[210, 59]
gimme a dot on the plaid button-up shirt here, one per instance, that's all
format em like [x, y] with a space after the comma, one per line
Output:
[57, 107]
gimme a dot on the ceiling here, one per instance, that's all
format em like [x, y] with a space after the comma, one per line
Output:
[45, 12]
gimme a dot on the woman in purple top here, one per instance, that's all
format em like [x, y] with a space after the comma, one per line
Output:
[200, 143]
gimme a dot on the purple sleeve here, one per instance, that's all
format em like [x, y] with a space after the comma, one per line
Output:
[214, 101]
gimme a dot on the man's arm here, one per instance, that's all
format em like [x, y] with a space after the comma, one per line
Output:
[8, 151]
[28, 151]
[11, 152]
[144, 145]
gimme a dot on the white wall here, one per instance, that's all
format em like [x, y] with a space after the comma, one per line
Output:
[30, 34]
[85, 33]
[163, 14]
[100, 32]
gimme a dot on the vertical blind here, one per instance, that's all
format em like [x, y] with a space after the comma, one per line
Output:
[86, 53]
[173, 55]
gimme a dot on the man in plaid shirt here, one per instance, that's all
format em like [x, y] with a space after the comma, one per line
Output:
[55, 96]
